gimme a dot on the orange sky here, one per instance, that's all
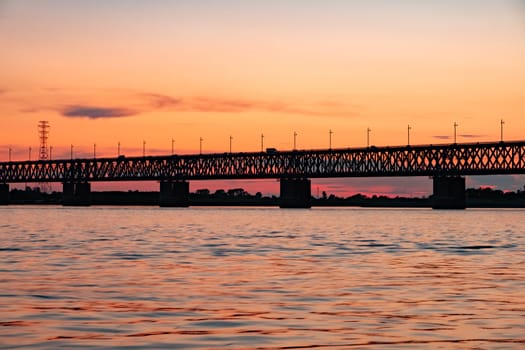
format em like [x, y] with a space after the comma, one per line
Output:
[127, 71]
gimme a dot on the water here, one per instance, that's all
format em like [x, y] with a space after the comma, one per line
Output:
[261, 278]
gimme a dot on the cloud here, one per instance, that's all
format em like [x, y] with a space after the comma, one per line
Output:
[32, 109]
[195, 104]
[95, 112]
[389, 186]
[158, 101]
[125, 103]
[4, 92]
[231, 105]
[503, 182]
[472, 136]
[465, 136]
[207, 104]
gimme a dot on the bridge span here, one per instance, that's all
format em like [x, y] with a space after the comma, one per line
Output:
[446, 164]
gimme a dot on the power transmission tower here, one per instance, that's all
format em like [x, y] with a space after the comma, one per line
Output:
[43, 133]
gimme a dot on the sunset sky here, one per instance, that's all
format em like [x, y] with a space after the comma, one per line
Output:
[128, 71]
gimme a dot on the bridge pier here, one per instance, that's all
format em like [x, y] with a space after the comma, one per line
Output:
[4, 194]
[449, 192]
[295, 193]
[174, 194]
[76, 194]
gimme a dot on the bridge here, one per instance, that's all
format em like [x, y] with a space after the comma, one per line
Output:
[445, 164]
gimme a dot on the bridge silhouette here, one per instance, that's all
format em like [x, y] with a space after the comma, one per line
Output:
[446, 164]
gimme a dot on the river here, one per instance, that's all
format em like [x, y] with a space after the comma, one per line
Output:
[261, 278]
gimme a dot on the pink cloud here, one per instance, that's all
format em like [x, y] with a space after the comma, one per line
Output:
[237, 105]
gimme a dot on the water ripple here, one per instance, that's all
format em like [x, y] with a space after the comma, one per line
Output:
[259, 278]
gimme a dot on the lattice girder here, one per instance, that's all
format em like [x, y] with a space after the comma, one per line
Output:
[437, 160]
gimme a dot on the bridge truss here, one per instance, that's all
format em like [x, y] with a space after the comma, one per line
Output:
[430, 160]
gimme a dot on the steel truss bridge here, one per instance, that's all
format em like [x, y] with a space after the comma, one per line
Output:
[423, 160]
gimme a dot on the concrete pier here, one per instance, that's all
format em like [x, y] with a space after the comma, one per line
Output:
[174, 194]
[76, 194]
[4, 194]
[295, 193]
[449, 192]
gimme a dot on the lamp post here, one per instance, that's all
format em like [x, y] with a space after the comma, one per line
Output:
[231, 138]
[501, 129]
[29, 153]
[294, 140]
[94, 151]
[368, 137]
[408, 132]
[455, 128]
[10, 150]
[262, 142]
[200, 145]
[118, 149]
[50, 152]
[144, 148]
[330, 132]
[71, 151]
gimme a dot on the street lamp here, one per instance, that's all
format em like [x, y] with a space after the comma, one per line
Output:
[50, 152]
[94, 151]
[118, 149]
[231, 138]
[262, 142]
[200, 145]
[368, 137]
[330, 132]
[71, 151]
[29, 153]
[294, 140]
[10, 150]
[455, 127]
[501, 129]
[144, 148]
[408, 131]
[172, 146]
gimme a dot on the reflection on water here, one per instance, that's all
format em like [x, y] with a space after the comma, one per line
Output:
[238, 278]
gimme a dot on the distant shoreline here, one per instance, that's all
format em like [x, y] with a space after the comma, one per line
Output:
[481, 198]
